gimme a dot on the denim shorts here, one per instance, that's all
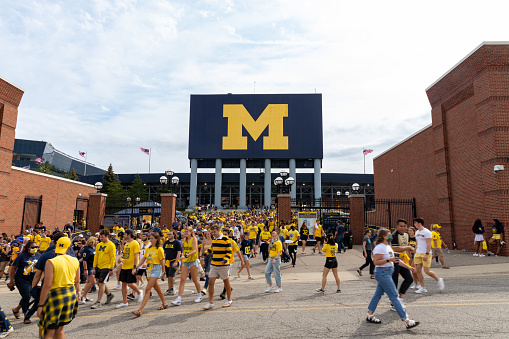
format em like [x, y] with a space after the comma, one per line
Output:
[156, 271]
[191, 264]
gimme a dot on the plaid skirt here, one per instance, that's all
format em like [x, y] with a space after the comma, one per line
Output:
[59, 309]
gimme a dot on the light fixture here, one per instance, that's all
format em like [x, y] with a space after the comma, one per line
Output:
[289, 181]
[128, 199]
[338, 193]
[347, 193]
[356, 187]
[163, 180]
[137, 199]
[168, 173]
[175, 180]
[278, 181]
[98, 185]
[283, 174]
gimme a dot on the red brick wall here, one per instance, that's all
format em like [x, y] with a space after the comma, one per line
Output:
[468, 136]
[59, 195]
[284, 208]
[357, 218]
[168, 201]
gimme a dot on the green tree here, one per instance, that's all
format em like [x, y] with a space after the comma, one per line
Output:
[71, 175]
[138, 189]
[108, 179]
[115, 190]
[44, 167]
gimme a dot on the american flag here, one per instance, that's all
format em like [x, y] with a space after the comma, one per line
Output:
[82, 153]
[145, 150]
[26, 167]
[367, 151]
[39, 160]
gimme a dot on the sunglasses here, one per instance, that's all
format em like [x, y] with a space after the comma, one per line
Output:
[34, 247]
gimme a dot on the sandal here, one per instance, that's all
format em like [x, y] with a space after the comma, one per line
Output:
[16, 314]
[163, 307]
[372, 276]
[411, 323]
[359, 271]
[137, 313]
[446, 267]
[27, 321]
[372, 319]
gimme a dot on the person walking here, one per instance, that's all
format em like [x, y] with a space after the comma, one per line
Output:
[88, 267]
[384, 260]
[246, 247]
[478, 230]
[172, 253]
[331, 263]
[206, 243]
[104, 263]
[5, 326]
[292, 247]
[498, 235]
[318, 233]
[422, 258]
[399, 241]
[367, 248]
[264, 243]
[304, 235]
[22, 273]
[60, 292]
[274, 263]
[436, 245]
[190, 264]
[131, 257]
[340, 235]
[154, 256]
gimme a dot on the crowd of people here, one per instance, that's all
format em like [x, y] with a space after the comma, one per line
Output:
[202, 248]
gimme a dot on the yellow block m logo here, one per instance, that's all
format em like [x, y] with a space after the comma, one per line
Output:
[272, 117]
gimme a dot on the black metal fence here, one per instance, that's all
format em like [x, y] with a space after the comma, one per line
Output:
[385, 212]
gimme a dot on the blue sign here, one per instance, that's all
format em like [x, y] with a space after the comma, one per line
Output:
[256, 126]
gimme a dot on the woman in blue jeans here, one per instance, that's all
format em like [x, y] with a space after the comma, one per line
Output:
[384, 260]
[275, 251]
[23, 271]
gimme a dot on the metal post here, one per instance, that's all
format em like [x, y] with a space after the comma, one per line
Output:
[218, 182]
[193, 183]
[266, 184]
[293, 188]
[318, 179]
[242, 193]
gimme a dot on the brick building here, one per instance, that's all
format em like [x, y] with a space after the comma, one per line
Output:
[448, 166]
[28, 196]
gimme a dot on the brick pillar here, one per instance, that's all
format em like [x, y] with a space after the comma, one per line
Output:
[357, 223]
[96, 211]
[284, 209]
[168, 201]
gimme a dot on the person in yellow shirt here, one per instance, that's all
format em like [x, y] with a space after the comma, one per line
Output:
[318, 232]
[292, 247]
[264, 243]
[190, 264]
[436, 245]
[37, 238]
[165, 232]
[154, 256]
[331, 263]
[44, 243]
[253, 234]
[274, 263]
[130, 259]
[60, 292]
[104, 262]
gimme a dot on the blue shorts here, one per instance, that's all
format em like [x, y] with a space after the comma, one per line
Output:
[90, 271]
[156, 271]
[191, 264]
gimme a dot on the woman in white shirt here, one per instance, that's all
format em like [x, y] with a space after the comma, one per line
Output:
[384, 260]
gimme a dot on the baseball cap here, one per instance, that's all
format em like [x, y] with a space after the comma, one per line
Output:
[130, 232]
[62, 245]
[138, 231]
[437, 226]
[80, 236]
[113, 233]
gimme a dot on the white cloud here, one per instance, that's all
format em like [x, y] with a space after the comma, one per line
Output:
[113, 76]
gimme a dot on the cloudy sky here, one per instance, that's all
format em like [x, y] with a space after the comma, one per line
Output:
[108, 77]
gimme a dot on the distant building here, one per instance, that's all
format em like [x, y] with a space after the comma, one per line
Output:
[26, 151]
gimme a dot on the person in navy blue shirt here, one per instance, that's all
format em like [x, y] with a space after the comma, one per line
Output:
[23, 271]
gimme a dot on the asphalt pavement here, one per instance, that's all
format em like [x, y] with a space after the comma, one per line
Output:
[474, 304]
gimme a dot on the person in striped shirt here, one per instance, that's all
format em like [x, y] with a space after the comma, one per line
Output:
[221, 251]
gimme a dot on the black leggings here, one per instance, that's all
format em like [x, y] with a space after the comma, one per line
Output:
[407, 278]
[369, 261]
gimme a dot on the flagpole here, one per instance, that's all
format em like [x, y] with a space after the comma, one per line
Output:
[149, 155]
[86, 155]
[364, 160]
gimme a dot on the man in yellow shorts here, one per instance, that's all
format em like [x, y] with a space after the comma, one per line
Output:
[498, 235]
[423, 256]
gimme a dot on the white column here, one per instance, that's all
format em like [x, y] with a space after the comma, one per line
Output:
[218, 183]
[293, 188]
[267, 184]
[318, 179]
[242, 182]
[193, 183]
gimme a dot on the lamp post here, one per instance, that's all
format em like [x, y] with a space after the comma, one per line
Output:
[174, 182]
[163, 180]
[98, 186]
[128, 200]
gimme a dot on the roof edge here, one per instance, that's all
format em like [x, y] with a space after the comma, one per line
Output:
[402, 141]
[466, 57]
[50, 176]
[13, 84]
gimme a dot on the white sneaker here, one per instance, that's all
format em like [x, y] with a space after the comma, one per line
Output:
[116, 287]
[140, 296]
[198, 298]
[141, 285]
[270, 288]
[250, 277]
[82, 301]
[415, 286]
[122, 305]
[279, 289]
[238, 275]
[227, 303]
[481, 255]
[476, 255]
[5, 334]
[177, 302]
[421, 290]
[440, 284]
[208, 306]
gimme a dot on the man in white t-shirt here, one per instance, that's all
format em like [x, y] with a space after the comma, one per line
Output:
[423, 256]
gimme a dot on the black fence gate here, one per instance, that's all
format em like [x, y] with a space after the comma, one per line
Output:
[31, 212]
[385, 212]
[130, 213]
